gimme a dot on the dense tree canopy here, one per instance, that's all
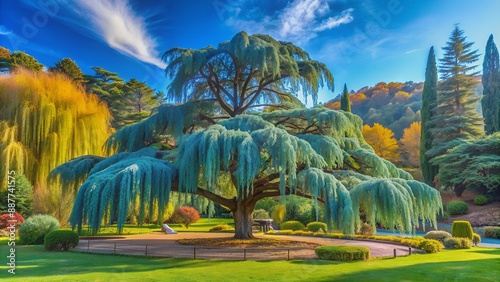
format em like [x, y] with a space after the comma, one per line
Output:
[20, 59]
[382, 141]
[69, 68]
[491, 84]
[236, 161]
[410, 145]
[244, 73]
[473, 165]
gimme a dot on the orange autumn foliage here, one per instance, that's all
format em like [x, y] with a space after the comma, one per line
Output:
[382, 140]
[410, 144]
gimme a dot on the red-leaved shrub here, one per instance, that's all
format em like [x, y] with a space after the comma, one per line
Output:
[4, 220]
[185, 216]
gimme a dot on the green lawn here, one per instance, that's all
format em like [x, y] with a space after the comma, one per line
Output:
[203, 225]
[34, 264]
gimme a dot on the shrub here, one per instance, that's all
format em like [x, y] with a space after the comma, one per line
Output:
[292, 225]
[34, 229]
[260, 214]
[458, 243]
[4, 220]
[185, 216]
[462, 228]
[342, 253]
[431, 246]
[278, 214]
[315, 226]
[457, 207]
[492, 232]
[366, 229]
[476, 239]
[481, 200]
[220, 227]
[61, 240]
[437, 235]
[445, 215]
[284, 232]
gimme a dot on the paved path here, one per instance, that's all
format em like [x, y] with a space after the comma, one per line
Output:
[165, 245]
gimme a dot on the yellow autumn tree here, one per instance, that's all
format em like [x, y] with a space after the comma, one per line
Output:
[410, 144]
[382, 140]
[46, 120]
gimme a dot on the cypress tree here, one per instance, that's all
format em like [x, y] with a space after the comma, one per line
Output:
[345, 101]
[429, 101]
[491, 84]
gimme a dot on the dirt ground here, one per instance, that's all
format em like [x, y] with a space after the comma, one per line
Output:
[487, 215]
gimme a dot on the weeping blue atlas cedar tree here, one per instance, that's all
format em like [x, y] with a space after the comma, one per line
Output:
[235, 157]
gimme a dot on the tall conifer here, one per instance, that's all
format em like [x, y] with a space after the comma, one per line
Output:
[491, 92]
[429, 101]
[345, 101]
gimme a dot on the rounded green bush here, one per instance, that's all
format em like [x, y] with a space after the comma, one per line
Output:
[492, 232]
[342, 253]
[481, 200]
[462, 229]
[457, 208]
[34, 229]
[437, 235]
[476, 239]
[292, 225]
[431, 246]
[316, 225]
[61, 240]
[261, 214]
[458, 243]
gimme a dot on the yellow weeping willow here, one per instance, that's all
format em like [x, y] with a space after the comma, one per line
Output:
[45, 120]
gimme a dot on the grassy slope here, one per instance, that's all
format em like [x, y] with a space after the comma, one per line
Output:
[34, 264]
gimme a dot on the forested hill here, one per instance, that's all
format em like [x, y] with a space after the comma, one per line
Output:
[394, 105]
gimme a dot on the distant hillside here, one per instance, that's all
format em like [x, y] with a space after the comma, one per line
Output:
[394, 105]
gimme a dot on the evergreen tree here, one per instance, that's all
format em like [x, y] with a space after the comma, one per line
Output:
[21, 59]
[456, 117]
[136, 104]
[345, 101]
[69, 68]
[429, 102]
[236, 161]
[491, 92]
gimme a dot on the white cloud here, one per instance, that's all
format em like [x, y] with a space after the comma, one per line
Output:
[299, 21]
[117, 24]
[4, 30]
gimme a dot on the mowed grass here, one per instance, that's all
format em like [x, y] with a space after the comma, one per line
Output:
[35, 264]
[203, 225]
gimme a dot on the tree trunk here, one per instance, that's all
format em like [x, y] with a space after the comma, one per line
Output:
[459, 189]
[243, 220]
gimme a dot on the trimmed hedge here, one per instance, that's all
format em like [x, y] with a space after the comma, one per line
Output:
[481, 200]
[431, 246]
[457, 208]
[476, 239]
[492, 232]
[34, 229]
[316, 225]
[61, 240]
[437, 235]
[458, 243]
[462, 229]
[342, 253]
[292, 225]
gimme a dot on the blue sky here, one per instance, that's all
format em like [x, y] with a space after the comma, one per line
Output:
[362, 42]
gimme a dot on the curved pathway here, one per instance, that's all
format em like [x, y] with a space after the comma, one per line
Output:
[165, 245]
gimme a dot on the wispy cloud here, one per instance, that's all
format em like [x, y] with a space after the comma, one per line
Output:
[299, 21]
[115, 22]
[4, 30]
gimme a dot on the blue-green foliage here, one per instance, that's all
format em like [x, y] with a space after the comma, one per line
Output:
[317, 151]
[109, 192]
